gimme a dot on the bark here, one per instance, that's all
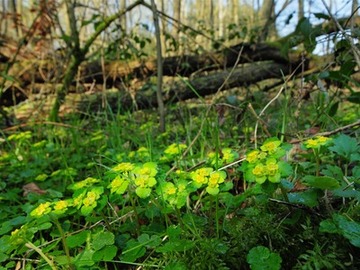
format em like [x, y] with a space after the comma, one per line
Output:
[182, 89]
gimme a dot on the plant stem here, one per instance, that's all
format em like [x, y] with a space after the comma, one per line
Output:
[39, 251]
[63, 240]
[217, 217]
[317, 159]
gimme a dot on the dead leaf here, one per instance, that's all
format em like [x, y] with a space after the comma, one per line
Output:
[32, 187]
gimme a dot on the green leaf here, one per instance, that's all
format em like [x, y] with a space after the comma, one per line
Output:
[77, 240]
[143, 192]
[284, 168]
[3, 257]
[84, 259]
[212, 190]
[194, 221]
[87, 210]
[354, 98]
[173, 232]
[44, 226]
[333, 109]
[333, 171]
[308, 198]
[102, 239]
[149, 242]
[106, 254]
[345, 146]
[349, 229]
[133, 251]
[328, 226]
[346, 193]
[226, 186]
[286, 184]
[322, 182]
[179, 245]
[176, 266]
[322, 16]
[261, 258]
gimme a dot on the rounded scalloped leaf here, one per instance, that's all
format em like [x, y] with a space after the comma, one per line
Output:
[143, 192]
[212, 190]
[261, 257]
[322, 182]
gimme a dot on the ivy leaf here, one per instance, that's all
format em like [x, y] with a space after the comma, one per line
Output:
[261, 257]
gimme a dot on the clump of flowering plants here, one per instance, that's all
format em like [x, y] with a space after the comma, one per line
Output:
[266, 164]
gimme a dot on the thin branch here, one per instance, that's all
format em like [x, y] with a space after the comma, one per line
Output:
[355, 49]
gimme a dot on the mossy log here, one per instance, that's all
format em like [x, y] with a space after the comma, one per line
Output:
[144, 98]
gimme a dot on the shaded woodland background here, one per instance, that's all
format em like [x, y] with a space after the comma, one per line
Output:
[64, 56]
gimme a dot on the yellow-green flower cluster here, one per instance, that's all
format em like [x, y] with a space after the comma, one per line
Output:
[175, 194]
[20, 137]
[141, 154]
[207, 176]
[174, 149]
[317, 142]
[201, 176]
[269, 170]
[87, 199]
[144, 179]
[119, 185]
[57, 207]
[226, 155]
[215, 179]
[121, 181]
[19, 236]
[41, 210]
[88, 182]
[140, 177]
[264, 164]
[123, 167]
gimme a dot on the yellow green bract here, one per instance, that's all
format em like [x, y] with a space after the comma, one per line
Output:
[265, 164]
[316, 142]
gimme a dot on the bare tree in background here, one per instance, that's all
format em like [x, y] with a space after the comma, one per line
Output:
[123, 21]
[267, 20]
[177, 17]
[159, 74]
[300, 9]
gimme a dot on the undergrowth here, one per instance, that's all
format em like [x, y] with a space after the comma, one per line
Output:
[107, 191]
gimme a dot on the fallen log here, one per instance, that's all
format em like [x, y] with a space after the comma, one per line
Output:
[182, 89]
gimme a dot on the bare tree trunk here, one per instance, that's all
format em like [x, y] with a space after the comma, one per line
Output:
[300, 9]
[221, 13]
[159, 96]
[176, 25]
[13, 12]
[79, 53]
[123, 20]
[267, 20]
[235, 11]
[164, 28]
